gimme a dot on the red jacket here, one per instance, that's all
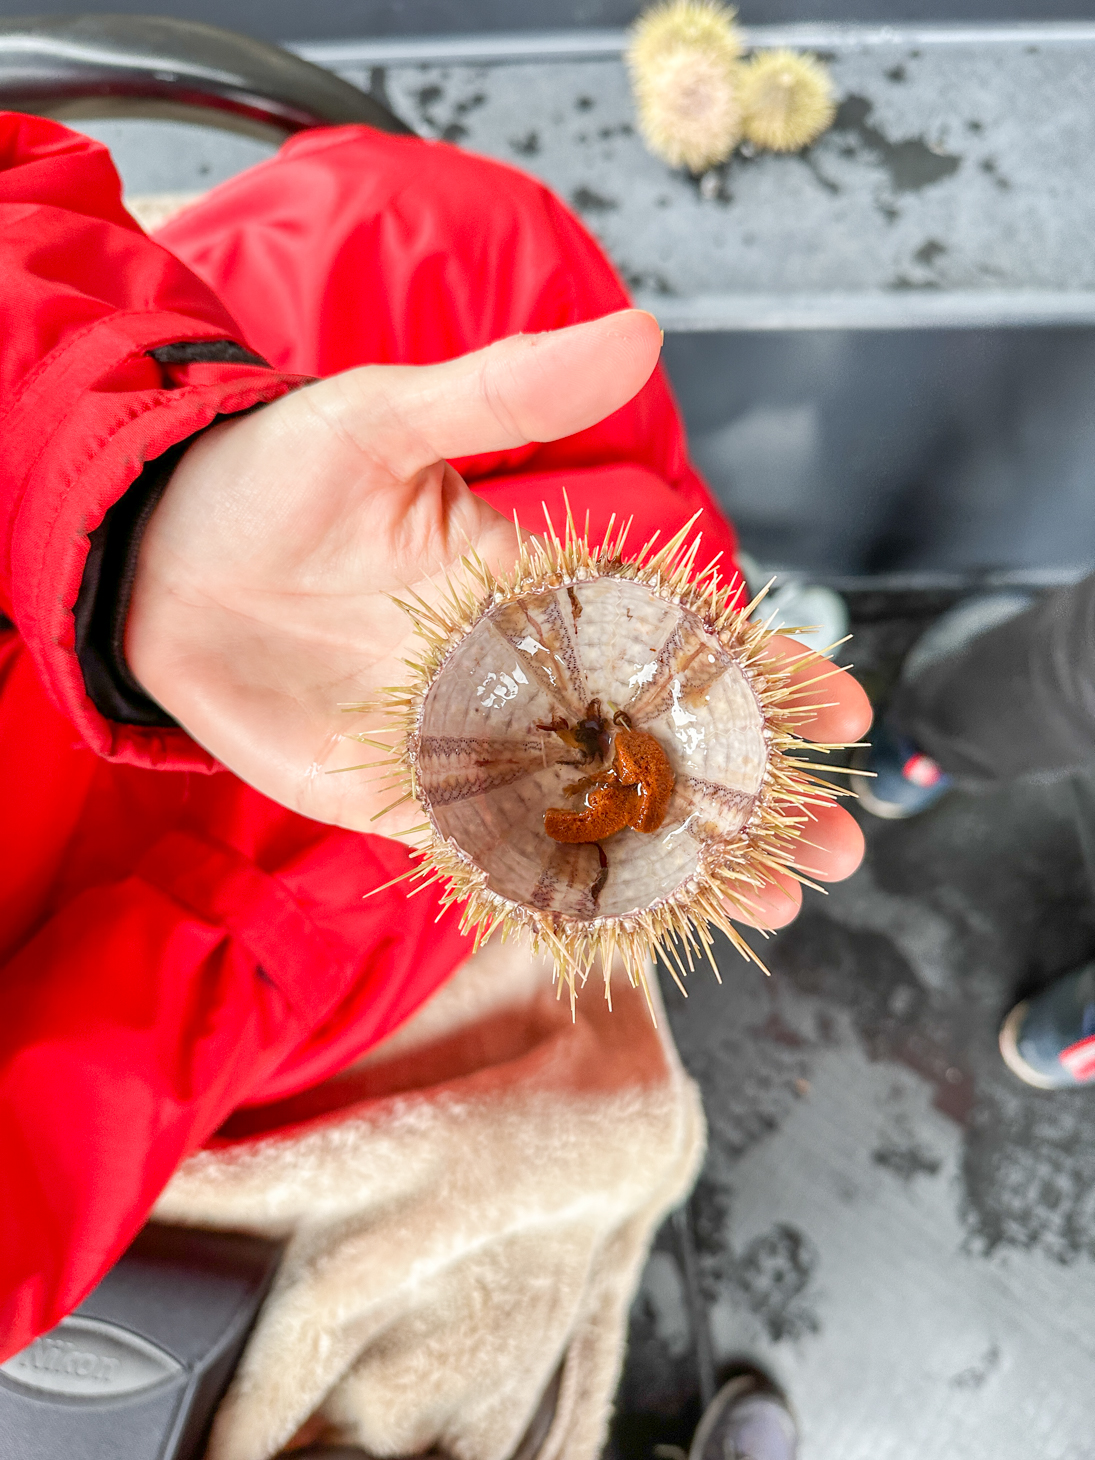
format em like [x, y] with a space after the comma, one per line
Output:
[172, 944]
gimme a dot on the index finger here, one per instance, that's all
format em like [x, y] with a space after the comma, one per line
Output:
[843, 714]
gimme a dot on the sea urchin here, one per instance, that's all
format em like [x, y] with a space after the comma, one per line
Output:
[683, 60]
[786, 99]
[604, 750]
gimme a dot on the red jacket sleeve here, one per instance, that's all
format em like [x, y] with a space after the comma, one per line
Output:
[140, 1015]
[129, 1023]
[135, 1014]
[84, 296]
[171, 946]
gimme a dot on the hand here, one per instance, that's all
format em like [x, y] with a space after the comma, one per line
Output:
[261, 600]
[832, 844]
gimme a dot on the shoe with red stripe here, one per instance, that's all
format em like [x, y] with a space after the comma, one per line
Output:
[1049, 1040]
[902, 780]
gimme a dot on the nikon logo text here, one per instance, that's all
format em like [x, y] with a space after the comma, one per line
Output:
[57, 1356]
[89, 1359]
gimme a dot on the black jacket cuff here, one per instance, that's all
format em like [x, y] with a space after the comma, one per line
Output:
[102, 605]
[106, 588]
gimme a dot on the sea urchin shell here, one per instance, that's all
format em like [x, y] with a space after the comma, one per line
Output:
[582, 673]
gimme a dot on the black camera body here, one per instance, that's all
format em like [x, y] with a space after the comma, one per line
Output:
[137, 1371]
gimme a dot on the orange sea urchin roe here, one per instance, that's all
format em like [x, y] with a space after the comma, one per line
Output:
[640, 761]
[608, 809]
[634, 791]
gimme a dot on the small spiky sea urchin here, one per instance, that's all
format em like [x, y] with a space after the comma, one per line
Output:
[786, 100]
[683, 60]
[638, 682]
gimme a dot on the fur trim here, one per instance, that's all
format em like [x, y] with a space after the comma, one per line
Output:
[453, 1239]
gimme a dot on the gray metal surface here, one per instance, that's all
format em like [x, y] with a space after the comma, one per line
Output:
[156, 156]
[866, 452]
[277, 20]
[900, 1231]
[957, 185]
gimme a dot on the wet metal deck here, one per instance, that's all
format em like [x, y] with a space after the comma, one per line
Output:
[956, 187]
[896, 1227]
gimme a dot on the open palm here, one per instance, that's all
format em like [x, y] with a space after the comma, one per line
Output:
[262, 594]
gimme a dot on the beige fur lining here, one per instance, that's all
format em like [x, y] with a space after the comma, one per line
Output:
[153, 210]
[473, 1206]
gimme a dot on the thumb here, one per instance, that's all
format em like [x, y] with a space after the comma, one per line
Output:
[525, 388]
